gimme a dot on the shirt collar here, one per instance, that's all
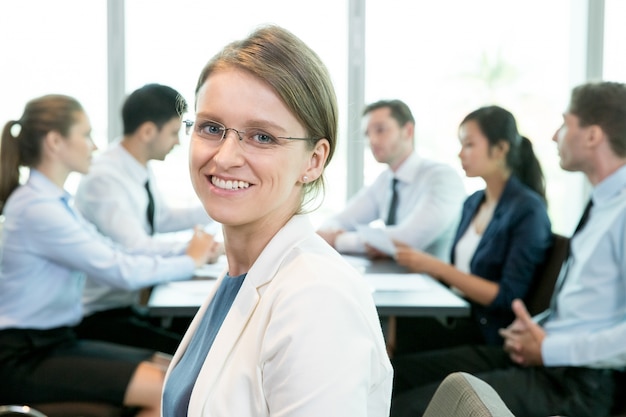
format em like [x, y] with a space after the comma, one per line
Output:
[136, 170]
[610, 186]
[45, 186]
[407, 171]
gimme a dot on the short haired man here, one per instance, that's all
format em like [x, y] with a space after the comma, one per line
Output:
[560, 363]
[429, 194]
[120, 197]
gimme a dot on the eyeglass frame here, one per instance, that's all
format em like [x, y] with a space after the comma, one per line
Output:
[190, 123]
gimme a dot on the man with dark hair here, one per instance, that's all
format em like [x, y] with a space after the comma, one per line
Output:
[419, 200]
[119, 196]
[560, 362]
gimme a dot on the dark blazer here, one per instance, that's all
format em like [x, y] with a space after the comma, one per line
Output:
[513, 245]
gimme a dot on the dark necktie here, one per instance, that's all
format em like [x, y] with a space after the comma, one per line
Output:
[150, 209]
[393, 206]
[565, 267]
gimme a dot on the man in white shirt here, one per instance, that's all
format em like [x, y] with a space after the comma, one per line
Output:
[114, 197]
[560, 362]
[427, 207]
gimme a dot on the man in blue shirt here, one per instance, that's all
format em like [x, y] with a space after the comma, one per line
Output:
[560, 362]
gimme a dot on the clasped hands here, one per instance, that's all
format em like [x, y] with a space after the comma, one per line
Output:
[523, 338]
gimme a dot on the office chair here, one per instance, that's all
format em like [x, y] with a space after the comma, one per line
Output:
[463, 395]
[64, 409]
[19, 411]
[540, 292]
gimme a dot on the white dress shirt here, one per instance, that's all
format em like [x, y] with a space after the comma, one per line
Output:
[113, 197]
[589, 326]
[47, 250]
[431, 196]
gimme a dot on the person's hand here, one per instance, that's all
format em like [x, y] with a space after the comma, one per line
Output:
[523, 338]
[373, 253]
[219, 251]
[415, 260]
[202, 247]
[330, 236]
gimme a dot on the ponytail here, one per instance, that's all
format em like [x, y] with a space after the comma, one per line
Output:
[528, 169]
[9, 162]
[21, 140]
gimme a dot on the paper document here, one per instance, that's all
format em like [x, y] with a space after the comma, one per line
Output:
[399, 282]
[377, 238]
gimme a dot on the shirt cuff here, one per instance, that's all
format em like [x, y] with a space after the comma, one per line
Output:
[554, 351]
[349, 242]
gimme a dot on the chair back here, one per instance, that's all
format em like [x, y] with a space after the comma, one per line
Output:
[463, 395]
[542, 287]
[19, 411]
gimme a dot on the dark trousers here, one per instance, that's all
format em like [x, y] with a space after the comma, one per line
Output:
[528, 392]
[128, 327]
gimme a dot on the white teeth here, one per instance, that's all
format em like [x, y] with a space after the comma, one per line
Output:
[229, 185]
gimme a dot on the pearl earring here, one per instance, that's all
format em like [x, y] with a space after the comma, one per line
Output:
[305, 179]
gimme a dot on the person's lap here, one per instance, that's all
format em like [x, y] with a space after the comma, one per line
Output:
[532, 391]
[61, 368]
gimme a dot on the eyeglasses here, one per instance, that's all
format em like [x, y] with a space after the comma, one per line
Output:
[249, 137]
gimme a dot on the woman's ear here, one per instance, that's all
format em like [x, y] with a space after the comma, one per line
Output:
[317, 160]
[52, 141]
[502, 148]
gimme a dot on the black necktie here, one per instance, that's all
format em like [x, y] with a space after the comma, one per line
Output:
[565, 267]
[150, 209]
[393, 206]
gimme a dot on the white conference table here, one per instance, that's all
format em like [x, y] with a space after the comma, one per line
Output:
[395, 292]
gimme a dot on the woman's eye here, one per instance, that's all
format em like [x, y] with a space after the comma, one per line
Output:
[261, 137]
[211, 129]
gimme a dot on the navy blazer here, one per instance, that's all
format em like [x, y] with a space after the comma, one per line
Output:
[513, 245]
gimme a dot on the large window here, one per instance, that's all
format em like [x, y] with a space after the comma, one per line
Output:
[54, 47]
[447, 58]
[171, 43]
[444, 58]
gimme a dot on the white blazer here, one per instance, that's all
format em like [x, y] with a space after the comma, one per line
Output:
[302, 338]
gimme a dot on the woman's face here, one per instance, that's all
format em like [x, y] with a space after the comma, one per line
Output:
[477, 159]
[77, 147]
[253, 180]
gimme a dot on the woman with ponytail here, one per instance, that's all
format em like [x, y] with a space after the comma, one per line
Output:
[47, 251]
[502, 238]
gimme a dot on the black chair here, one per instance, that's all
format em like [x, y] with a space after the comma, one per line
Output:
[540, 293]
[19, 411]
[65, 409]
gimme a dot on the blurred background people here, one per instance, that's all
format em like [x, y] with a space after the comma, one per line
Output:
[418, 200]
[120, 197]
[48, 249]
[502, 238]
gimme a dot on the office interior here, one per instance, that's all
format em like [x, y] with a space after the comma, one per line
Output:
[443, 58]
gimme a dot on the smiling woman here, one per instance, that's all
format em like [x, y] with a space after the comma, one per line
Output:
[254, 340]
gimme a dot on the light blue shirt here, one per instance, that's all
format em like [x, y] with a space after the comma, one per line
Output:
[47, 250]
[112, 196]
[589, 326]
[430, 199]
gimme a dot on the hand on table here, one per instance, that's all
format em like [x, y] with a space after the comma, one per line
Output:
[415, 260]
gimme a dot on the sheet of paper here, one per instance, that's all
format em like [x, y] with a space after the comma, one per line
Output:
[377, 238]
[399, 282]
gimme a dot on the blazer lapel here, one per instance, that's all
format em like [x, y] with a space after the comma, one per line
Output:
[246, 301]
